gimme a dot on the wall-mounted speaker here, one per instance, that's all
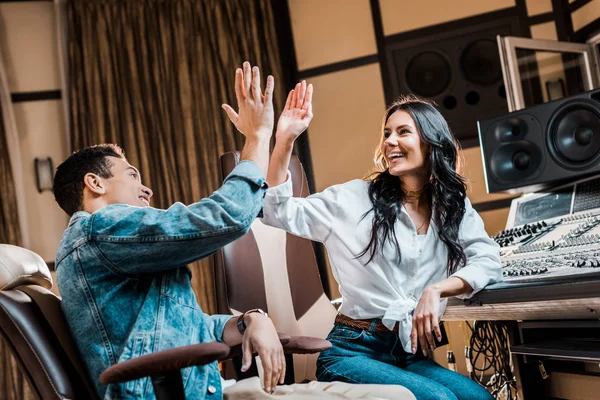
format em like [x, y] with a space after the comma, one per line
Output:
[541, 146]
[457, 65]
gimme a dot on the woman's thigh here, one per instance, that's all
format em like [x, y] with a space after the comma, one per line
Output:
[462, 387]
[360, 369]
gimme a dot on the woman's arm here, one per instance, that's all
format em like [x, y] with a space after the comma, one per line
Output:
[310, 217]
[482, 268]
[294, 120]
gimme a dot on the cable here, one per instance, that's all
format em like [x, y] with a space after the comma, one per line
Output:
[488, 351]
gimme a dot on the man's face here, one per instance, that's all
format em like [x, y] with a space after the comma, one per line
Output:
[125, 185]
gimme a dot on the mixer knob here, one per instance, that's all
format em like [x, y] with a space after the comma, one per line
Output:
[544, 223]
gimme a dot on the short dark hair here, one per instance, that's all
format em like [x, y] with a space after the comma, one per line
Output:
[68, 180]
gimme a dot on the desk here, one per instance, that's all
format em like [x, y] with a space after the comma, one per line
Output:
[544, 312]
[529, 301]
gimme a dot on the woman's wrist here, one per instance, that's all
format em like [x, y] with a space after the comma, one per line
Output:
[285, 139]
[434, 290]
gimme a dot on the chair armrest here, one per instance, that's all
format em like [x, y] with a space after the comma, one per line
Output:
[163, 362]
[306, 345]
[237, 349]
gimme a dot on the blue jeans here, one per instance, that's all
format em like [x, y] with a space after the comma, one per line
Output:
[366, 356]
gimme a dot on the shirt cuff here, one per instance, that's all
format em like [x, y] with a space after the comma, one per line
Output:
[280, 193]
[250, 171]
[474, 277]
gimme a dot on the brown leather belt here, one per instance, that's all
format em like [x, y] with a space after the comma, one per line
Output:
[364, 324]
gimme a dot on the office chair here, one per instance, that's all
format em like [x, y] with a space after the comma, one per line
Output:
[270, 269]
[34, 328]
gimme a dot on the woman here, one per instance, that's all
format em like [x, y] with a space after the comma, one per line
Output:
[400, 243]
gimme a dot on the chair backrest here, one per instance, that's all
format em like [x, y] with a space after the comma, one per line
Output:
[34, 328]
[270, 269]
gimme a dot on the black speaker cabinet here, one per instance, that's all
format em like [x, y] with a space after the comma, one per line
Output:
[457, 65]
[541, 146]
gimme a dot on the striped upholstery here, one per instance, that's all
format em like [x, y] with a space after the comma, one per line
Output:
[270, 269]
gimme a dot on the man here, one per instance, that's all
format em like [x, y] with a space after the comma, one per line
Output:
[121, 265]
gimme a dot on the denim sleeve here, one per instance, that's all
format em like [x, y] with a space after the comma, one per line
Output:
[216, 325]
[144, 239]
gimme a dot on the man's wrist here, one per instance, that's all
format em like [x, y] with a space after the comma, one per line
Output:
[244, 320]
[248, 318]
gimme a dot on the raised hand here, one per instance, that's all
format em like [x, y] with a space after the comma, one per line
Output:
[297, 113]
[255, 118]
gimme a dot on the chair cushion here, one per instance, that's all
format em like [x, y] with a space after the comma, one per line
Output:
[19, 266]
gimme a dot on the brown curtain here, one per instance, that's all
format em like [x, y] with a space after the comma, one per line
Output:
[9, 214]
[12, 384]
[151, 75]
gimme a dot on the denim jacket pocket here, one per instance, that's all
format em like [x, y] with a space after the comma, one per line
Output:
[138, 346]
[342, 332]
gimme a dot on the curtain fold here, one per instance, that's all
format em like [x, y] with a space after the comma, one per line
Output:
[12, 383]
[151, 75]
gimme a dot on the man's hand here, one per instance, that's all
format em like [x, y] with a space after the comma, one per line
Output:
[297, 113]
[426, 320]
[255, 116]
[261, 336]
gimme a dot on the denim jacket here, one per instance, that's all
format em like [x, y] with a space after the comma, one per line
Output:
[126, 289]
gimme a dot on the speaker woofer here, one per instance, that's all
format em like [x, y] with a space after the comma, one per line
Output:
[480, 62]
[574, 135]
[428, 74]
[513, 162]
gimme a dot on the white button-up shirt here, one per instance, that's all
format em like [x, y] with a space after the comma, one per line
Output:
[382, 288]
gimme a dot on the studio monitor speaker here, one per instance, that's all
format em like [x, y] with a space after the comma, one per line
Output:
[543, 145]
[457, 65]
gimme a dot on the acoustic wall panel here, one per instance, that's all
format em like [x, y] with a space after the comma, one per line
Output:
[30, 46]
[403, 16]
[331, 31]
[348, 107]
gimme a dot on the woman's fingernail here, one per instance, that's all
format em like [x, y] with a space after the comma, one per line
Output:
[268, 389]
[439, 338]
[414, 350]
[425, 353]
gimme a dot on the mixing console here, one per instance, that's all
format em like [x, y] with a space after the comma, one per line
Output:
[553, 235]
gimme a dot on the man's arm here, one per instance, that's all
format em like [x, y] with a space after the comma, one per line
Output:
[141, 240]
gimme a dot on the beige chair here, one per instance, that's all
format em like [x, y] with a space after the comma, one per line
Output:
[277, 272]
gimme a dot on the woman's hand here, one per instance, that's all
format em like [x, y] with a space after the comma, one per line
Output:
[297, 113]
[426, 320]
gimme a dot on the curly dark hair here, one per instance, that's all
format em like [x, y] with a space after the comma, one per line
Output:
[446, 191]
[68, 180]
